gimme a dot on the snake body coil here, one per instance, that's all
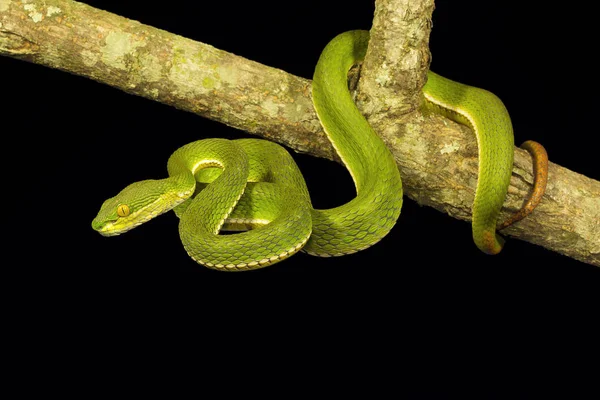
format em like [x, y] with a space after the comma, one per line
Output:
[275, 202]
[254, 186]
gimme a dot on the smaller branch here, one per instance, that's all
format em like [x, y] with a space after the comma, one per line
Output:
[395, 67]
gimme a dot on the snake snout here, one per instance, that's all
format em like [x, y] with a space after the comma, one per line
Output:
[103, 227]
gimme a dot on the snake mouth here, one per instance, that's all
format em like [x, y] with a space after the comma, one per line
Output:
[107, 230]
[115, 228]
[122, 225]
[110, 228]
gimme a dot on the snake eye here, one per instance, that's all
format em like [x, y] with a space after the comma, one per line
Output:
[122, 210]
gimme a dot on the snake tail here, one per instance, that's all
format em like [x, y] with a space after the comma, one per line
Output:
[487, 116]
[540, 179]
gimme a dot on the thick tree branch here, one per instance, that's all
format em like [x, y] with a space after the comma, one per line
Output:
[437, 158]
[164, 67]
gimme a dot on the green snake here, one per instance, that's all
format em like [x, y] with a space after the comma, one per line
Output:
[254, 186]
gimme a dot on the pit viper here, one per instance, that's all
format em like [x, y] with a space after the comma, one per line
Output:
[254, 186]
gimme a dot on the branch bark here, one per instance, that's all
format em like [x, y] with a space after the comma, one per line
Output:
[437, 158]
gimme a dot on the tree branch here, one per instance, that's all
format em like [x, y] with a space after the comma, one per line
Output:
[437, 158]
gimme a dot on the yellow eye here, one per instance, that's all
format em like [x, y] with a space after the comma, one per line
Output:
[122, 210]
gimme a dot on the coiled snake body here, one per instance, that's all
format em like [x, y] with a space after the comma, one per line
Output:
[254, 186]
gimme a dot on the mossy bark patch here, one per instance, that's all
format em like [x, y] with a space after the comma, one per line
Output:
[119, 45]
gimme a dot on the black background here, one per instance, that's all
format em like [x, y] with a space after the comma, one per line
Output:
[78, 142]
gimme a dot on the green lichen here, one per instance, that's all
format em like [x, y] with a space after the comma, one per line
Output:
[295, 112]
[199, 57]
[118, 46]
[52, 11]
[270, 107]
[251, 126]
[182, 66]
[152, 93]
[178, 55]
[450, 147]
[151, 68]
[4, 5]
[413, 129]
[208, 82]
[89, 58]
[384, 77]
[228, 75]
[187, 71]
[33, 13]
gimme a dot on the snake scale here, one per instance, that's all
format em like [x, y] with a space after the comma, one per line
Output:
[254, 186]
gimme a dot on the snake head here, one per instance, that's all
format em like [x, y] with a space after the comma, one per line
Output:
[136, 204]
